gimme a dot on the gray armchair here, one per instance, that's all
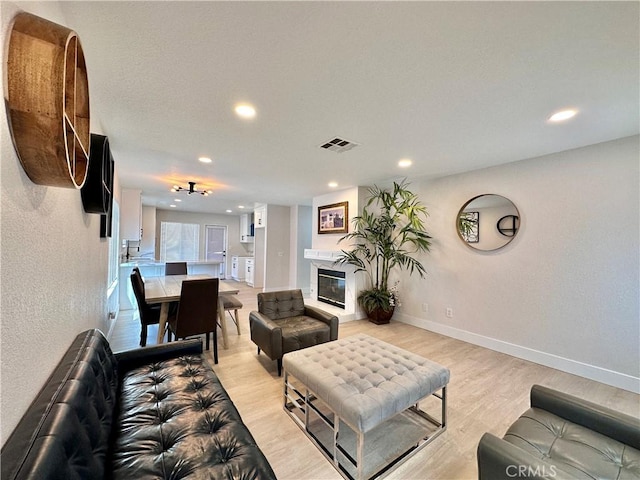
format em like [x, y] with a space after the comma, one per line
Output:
[284, 324]
[563, 437]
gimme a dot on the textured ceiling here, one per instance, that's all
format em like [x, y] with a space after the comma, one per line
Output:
[455, 86]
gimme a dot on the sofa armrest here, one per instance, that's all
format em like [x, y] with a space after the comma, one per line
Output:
[613, 424]
[267, 334]
[325, 317]
[501, 460]
[128, 359]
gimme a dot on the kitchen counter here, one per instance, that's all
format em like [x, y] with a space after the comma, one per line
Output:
[153, 263]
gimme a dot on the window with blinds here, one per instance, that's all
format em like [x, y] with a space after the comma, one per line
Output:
[179, 242]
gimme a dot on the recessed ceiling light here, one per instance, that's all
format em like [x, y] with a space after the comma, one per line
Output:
[245, 110]
[333, 184]
[240, 206]
[405, 162]
[562, 115]
[177, 200]
[229, 211]
[205, 159]
[172, 206]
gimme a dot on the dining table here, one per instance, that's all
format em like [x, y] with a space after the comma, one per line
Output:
[166, 289]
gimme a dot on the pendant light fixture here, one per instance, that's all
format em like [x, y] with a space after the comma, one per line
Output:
[191, 189]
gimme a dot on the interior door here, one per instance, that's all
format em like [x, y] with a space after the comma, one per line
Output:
[216, 246]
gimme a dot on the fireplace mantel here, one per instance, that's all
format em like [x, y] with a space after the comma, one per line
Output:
[322, 255]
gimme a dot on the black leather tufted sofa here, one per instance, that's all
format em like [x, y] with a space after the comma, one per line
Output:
[158, 412]
[563, 437]
[283, 323]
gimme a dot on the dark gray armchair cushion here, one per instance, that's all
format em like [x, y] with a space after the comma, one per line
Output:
[283, 304]
[563, 436]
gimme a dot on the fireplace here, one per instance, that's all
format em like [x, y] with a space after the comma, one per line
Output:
[331, 287]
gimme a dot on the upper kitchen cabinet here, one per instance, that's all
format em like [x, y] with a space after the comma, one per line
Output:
[260, 216]
[246, 228]
[131, 215]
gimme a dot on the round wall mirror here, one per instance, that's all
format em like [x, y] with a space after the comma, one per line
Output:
[488, 222]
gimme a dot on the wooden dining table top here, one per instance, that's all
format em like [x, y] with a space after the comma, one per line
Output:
[167, 288]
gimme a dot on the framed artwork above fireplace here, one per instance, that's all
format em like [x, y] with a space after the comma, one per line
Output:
[333, 218]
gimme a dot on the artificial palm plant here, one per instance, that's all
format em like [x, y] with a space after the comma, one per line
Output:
[389, 231]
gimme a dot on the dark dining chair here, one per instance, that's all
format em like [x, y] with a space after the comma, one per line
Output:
[197, 312]
[149, 314]
[175, 268]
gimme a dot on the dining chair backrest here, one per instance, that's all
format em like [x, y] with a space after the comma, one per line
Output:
[138, 290]
[175, 268]
[198, 308]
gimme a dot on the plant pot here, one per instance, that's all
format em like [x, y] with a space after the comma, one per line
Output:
[380, 316]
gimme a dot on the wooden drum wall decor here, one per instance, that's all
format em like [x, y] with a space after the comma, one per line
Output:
[48, 101]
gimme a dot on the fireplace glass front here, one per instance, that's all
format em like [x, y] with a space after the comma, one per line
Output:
[331, 287]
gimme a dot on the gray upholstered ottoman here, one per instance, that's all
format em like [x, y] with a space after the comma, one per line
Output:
[362, 383]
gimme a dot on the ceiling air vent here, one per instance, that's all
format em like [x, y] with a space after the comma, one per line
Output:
[338, 145]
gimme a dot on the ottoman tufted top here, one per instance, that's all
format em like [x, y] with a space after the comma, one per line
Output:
[365, 380]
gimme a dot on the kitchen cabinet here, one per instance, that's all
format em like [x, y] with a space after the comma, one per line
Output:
[260, 216]
[248, 274]
[239, 267]
[131, 215]
[246, 228]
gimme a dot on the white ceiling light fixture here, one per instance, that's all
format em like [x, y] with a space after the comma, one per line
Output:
[245, 110]
[333, 184]
[405, 162]
[191, 189]
[562, 115]
[172, 206]
[205, 159]
[228, 211]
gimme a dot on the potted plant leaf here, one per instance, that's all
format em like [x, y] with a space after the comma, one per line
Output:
[386, 235]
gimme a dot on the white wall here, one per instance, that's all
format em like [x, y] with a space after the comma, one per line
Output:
[148, 242]
[328, 241]
[277, 250]
[299, 239]
[564, 292]
[54, 266]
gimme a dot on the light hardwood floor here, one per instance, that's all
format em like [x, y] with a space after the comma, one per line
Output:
[487, 392]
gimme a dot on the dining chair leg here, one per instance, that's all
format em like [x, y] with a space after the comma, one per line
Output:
[143, 335]
[215, 345]
[206, 341]
[236, 320]
[222, 321]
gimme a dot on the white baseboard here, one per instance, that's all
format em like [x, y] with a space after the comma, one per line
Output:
[592, 372]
